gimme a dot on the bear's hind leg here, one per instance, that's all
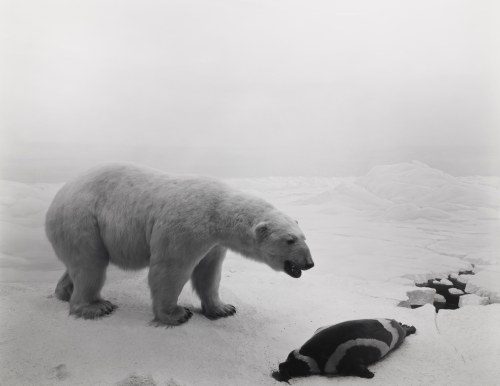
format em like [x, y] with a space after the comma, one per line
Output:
[64, 288]
[205, 279]
[88, 279]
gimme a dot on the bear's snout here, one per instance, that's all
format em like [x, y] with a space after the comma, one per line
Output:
[295, 270]
[309, 261]
[308, 265]
[296, 264]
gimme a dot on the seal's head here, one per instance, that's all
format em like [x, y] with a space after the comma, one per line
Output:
[295, 365]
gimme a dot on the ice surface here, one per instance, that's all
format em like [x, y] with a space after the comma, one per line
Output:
[421, 296]
[472, 333]
[439, 298]
[455, 291]
[472, 300]
[370, 236]
[464, 278]
[485, 283]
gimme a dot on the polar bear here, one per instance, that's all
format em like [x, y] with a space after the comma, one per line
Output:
[181, 226]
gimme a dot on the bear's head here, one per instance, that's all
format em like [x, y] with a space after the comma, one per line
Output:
[281, 244]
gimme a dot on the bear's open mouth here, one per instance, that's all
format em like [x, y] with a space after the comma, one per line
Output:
[292, 269]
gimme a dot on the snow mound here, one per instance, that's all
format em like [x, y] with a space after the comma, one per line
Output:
[485, 283]
[409, 192]
[419, 191]
[347, 194]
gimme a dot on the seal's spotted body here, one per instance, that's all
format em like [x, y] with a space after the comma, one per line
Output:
[345, 348]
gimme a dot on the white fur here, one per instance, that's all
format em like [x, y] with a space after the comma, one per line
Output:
[180, 226]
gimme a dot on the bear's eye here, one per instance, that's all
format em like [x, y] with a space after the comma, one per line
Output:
[291, 240]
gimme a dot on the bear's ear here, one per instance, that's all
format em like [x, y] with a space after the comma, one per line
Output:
[261, 231]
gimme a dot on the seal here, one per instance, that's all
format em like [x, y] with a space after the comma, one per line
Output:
[346, 348]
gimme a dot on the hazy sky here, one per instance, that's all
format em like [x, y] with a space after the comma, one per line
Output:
[280, 72]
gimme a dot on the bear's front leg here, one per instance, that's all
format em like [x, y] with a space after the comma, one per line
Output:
[166, 282]
[205, 279]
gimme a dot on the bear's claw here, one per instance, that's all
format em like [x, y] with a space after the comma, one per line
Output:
[172, 319]
[221, 311]
[94, 310]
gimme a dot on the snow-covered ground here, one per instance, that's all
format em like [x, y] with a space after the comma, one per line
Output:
[370, 236]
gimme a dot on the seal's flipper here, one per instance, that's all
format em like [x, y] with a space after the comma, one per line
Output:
[280, 377]
[362, 371]
[408, 329]
[356, 369]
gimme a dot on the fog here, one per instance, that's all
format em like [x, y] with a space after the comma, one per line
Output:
[249, 88]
